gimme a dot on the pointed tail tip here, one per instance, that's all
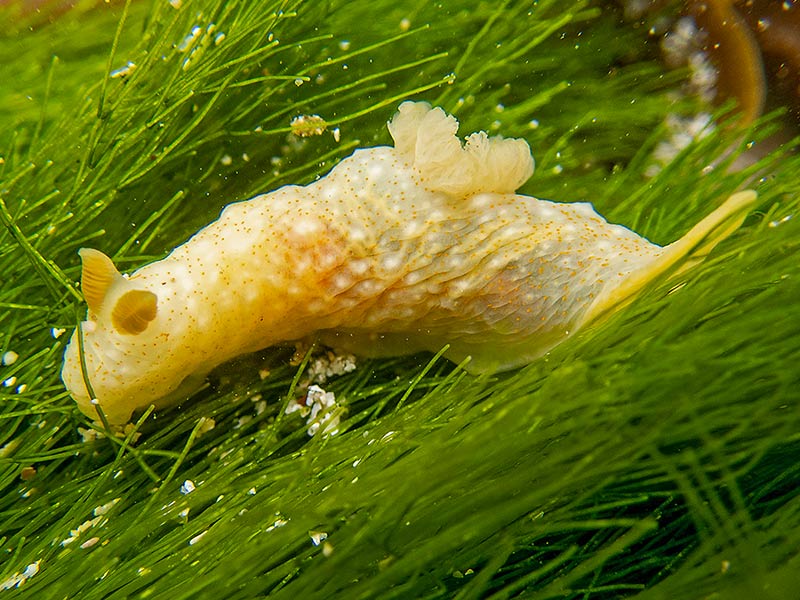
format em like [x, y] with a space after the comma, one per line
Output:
[719, 224]
[742, 199]
[680, 256]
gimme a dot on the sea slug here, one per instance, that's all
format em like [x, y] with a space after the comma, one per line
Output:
[397, 250]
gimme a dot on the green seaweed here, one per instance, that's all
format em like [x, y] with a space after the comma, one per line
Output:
[654, 455]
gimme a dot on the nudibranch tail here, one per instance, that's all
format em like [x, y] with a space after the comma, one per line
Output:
[682, 254]
[714, 228]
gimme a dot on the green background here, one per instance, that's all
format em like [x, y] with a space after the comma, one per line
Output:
[654, 455]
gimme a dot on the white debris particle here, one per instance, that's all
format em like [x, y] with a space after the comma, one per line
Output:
[681, 41]
[123, 71]
[226, 160]
[681, 132]
[337, 135]
[57, 332]
[87, 435]
[635, 9]
[533, 124]
[261, 406]
[88, 524]
[104, 508]
[317, 537]
[686, 46]
[263, 374]
[405, 24]
[320, 409]
[330, 364]
[9, 447]
[130, 430]
[219, 39]
[31, 570]
[9, 358]
[10, 381]
[278, 523]
[327, 549]
[245, 157]
[142, 571]
[252, 491]
[187, 62]
[206, 424]
[299, 81]
[344, 45]
[17, 579]
[308, 125]
[21, 389]
[184, 513]
[89, 543]
[703, 76]
[190, 38]
[294, 407]
[356, 462]
[197, 538]
[176, 4]
[780, 221]
[187, 487]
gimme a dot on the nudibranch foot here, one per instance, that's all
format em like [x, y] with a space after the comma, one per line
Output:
[396, 250]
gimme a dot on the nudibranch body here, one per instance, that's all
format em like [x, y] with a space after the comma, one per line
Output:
[398, 249]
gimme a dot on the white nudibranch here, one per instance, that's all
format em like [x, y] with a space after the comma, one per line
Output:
[397, 250]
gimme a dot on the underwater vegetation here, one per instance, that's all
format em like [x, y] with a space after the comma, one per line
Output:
[651, 455]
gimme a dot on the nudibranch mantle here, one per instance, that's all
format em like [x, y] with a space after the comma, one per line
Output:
[397, 250]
